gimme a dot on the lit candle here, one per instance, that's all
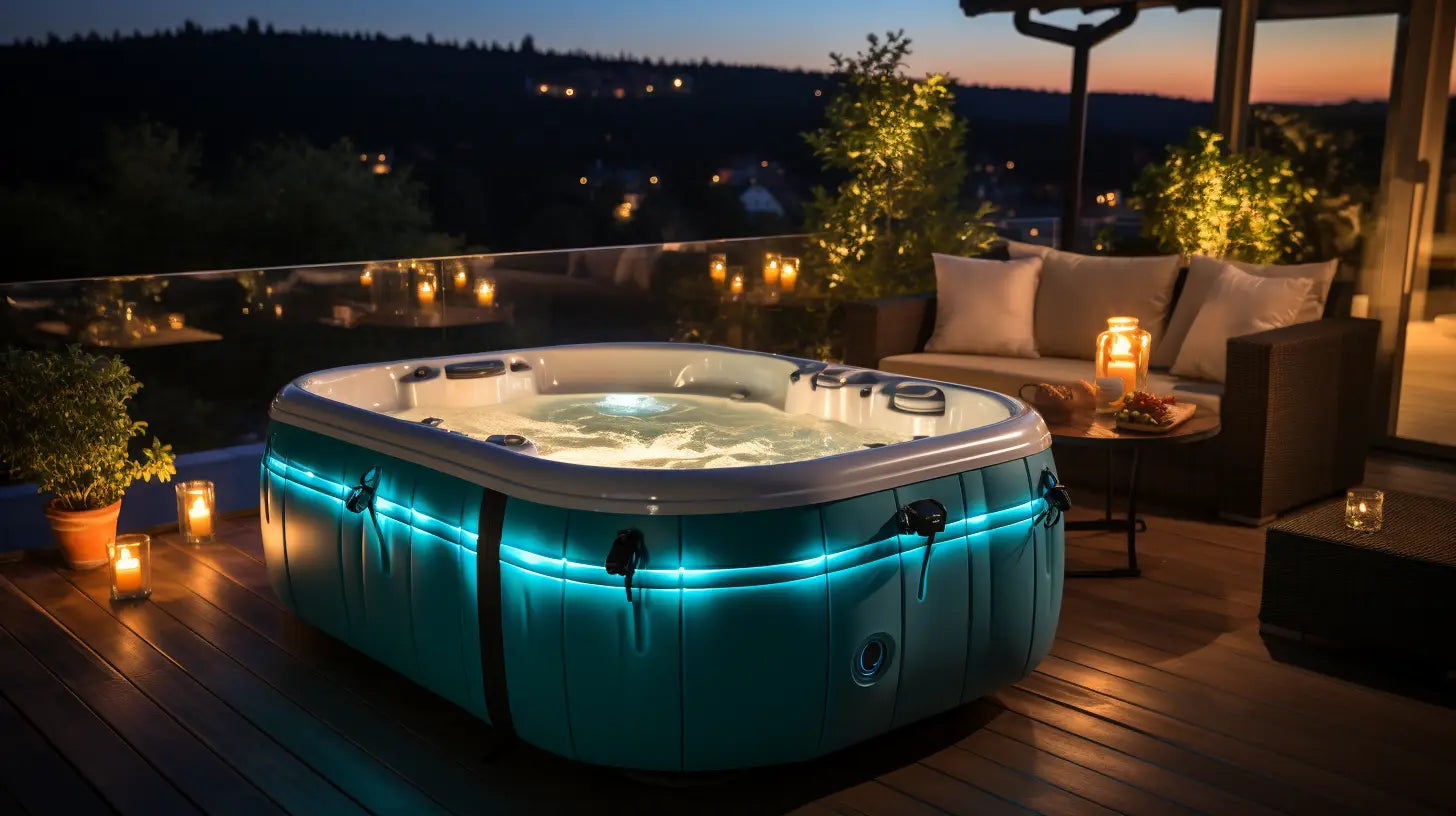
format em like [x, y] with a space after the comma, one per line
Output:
[789, 274]
[131, 574]
[736, 287]
[199, 517]
[128, 570]
[718, 268]
[1364, 509]
[460, 280]
[485, 293]
[771, 268]
[366, 278]
[176, 320]
[426, 292]
[1122, 364]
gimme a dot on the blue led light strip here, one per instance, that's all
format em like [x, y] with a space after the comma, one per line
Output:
[576, 572]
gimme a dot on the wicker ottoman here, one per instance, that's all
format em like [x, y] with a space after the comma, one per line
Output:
[1392, 590]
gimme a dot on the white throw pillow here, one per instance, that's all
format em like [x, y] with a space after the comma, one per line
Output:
[1237, 304]
[984, 307]
[1203, 271]
[1079, 292]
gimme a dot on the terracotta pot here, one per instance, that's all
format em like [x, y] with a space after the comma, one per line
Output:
[84, 534]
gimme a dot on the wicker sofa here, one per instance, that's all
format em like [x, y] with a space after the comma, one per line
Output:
[1295, 406]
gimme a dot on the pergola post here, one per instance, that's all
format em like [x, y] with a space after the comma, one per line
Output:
[1081, 39]
[1405, 208]
[1235, 66]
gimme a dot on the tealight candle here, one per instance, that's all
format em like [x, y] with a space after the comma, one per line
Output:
[771, 269]
[131, 566]
[196, 505]
[1364, 509]
[788, 274]
[366, 278]
[718, 267]
[736, 285]
[176, 320]
[484, 293]
[426, 292]
[461, 279]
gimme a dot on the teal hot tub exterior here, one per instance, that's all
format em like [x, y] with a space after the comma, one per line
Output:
[747, 637]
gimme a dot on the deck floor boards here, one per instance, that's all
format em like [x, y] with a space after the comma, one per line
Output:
[1159, 697]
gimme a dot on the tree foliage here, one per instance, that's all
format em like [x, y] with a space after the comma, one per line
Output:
[1330, 214]
[64, 425]
[1202, 200]
[149, 209]
[900, 145]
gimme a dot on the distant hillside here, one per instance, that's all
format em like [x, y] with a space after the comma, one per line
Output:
[494, 151]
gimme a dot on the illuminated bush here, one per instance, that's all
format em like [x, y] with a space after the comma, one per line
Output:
[901, 145]
[1203, 201]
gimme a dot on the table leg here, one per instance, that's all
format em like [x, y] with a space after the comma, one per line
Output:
[1132, 525]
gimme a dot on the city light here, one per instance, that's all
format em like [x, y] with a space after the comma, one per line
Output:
[381, 157]
[571, 92]
[677, 82]
[1033, 232]
[763, 163]
[717, 178]
[650, 89]
[818, 92]
[582, 180]
[1010, 165]
[363, 157]
[544, 88]
[1102, 199]
[652, 180]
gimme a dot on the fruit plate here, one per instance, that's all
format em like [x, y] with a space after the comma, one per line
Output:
[1181, 413]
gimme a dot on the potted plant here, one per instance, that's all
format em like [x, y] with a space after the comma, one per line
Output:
[64, 426]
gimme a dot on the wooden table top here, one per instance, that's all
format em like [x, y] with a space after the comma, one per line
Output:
[1102, 430]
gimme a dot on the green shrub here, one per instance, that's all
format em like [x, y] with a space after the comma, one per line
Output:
[1203, 201]
[64, 425]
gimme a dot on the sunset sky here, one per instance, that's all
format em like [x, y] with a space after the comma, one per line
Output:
[1165, 52]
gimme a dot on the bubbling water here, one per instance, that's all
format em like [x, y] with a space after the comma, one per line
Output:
[657, 430]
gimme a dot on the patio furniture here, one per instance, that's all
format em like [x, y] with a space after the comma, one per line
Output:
[1101, 432]
[1294, 406]
[1393, 589]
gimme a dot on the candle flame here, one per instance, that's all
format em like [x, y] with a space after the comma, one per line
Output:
[1121, 345]
[1362, 508]
[125, 560]
[198, 508]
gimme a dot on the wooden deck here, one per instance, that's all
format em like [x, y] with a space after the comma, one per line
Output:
[1159, 698]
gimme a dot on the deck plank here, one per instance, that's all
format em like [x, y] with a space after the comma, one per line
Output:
[298, 755]
[33, 773]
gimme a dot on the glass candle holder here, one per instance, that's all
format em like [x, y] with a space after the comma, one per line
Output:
[196, 511]
[735, 282]
[130, 557]
[771, 268]
[718, 268]
[1364, 509]
[1122, 352]
[788, 273]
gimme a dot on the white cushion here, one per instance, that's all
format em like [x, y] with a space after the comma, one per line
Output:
[1079, 292]
[984, 307]
[1237, 304]
[1203, 271]
[1008, 374]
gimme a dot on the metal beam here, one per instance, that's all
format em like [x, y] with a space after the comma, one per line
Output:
[1234, 68]
[1081, 39]
[1398, 254]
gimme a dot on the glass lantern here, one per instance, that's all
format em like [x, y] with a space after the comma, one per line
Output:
[1364, 509]
[771, 266]
[130, 557]
[196, 511]
[735, 282]
[718, 268]
[1122, 352]
[485, 293]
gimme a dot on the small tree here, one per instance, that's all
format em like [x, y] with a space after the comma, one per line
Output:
[1330, 214]
[901, 145]
[1203, 201]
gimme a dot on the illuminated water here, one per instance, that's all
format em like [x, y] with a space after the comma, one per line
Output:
[658, 430]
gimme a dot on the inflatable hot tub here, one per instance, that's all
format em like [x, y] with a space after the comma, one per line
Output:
[668, 557]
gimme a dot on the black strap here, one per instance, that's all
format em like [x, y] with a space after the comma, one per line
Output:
[488, 598]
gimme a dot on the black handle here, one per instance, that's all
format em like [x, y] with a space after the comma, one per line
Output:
[628, 550]
[361, 498]
[1055, 492]
[924, 517]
